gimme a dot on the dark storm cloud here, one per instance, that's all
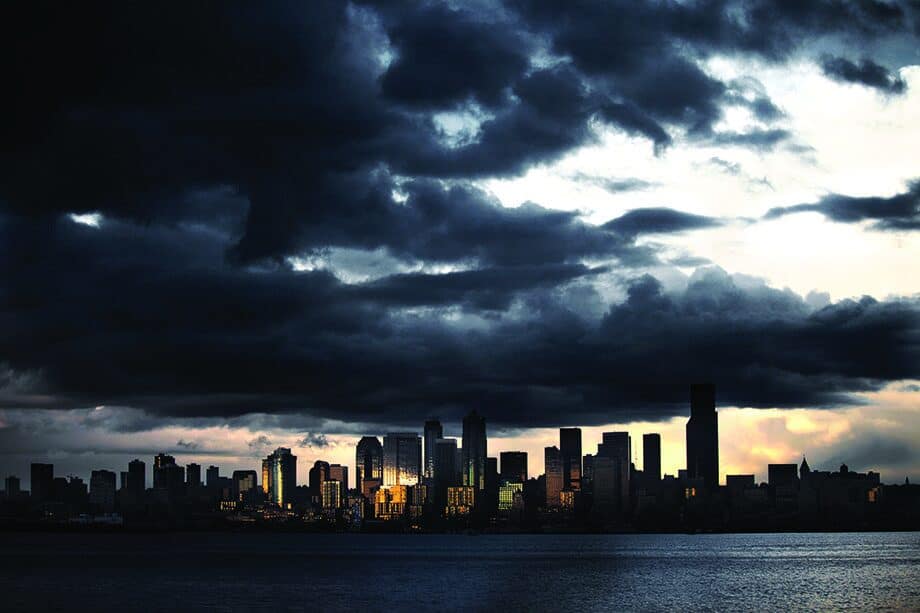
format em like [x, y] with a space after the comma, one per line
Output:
[657, 220]
[217, 140]
[899, 212]
[865, 72]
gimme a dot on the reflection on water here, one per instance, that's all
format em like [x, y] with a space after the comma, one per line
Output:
[520, 572]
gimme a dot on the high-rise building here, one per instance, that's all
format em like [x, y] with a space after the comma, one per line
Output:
[137, 479]
[42, 477]
[402, 458]
[433, 431]
[703, 435]
[212, 475]
[339, 472]
[552, 461]
[570, 449]
[369, 463]
[445, 469]
[318, 474]
[475, 450]
[266, 475]
[282, 476]
[244, 483]
[102, 490]
[618, 447]
[513, 466]
[587, 472]
[507, 493]
[390, 503]
[651, 458]
[332, 494]
[11, 487]
[193, 475]
[461, 499]
[161, 462]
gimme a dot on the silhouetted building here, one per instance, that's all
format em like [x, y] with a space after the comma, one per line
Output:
[490, 492]
[474, 450]
[317, 475]
[42, 477]
[245, 482]
[445, 469]
[137, 480]
[162, 470]
[651, 457]
[332, 494]
[703, 435]
[552, 461]
[570, 449]
[212, 475]
[11, 487]
[780, 475]
[193, 475]
[402, 458]
[282, 478]
[616, 446]
[513, 466]
[587, 472]
[433, 431]
[102, 490]
[369, 463]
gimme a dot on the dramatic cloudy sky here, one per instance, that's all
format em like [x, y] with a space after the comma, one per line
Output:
[226, 227]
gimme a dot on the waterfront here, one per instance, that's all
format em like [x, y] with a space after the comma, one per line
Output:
[249, 571]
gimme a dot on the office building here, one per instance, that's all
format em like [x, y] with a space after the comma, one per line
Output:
[245, 482]
[507, 493]
[193, 475]
[137, 479]
[552, 461]
[162, 470]
[445, 469]
[617, 446]
[368, 464]
[651, 458]
[317, 474]
[402, 458]
[332, 494]
[12, 487]
[42, 478]
[339, 472]
[474, 451]
[570, 449]
[212, 476]
[102, 491]
[461, 499]
[513, 466]
[587, 472]
[282, 476]
[433, 432]
[390, 503]
[703, 436]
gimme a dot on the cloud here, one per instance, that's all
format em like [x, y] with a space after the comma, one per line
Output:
[895, 213]
[314, 440]
[658, 220]
[865, 72]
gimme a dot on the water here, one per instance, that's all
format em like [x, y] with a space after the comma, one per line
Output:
[250, 571]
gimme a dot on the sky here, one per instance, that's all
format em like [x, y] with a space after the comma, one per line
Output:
[230, 227]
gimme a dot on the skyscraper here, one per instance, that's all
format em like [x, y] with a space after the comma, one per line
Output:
[339, 472]
[570, 449]
[617, 446]
[193, 475]
[244, 483]
[282, 476]
[514, 466]
[433, 431]
[161, 462]
[318, 474]
[42, 477]
[102, 490]
[137, 479]
[369, 463]
[212, 475]
[474, 450]
[445, 469]
[552, 459]
[651, 458]
[402, 458]
[703, 435]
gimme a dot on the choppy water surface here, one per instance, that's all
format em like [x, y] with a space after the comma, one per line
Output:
[250, 571]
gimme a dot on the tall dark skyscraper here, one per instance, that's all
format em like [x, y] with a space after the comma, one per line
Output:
[368, 462]
[162, 463]
[703, 435]
[42, 477]
[212, 475]
[474, 450]
[318, 474]
[514, 466]
[102, 490]
[193, 475]
[445, 469]
[137, 478]
[617, 447]
[282, 476]
[402, 458]
[433, 431]
[552, 461]
[651, 457]
[570, 448]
